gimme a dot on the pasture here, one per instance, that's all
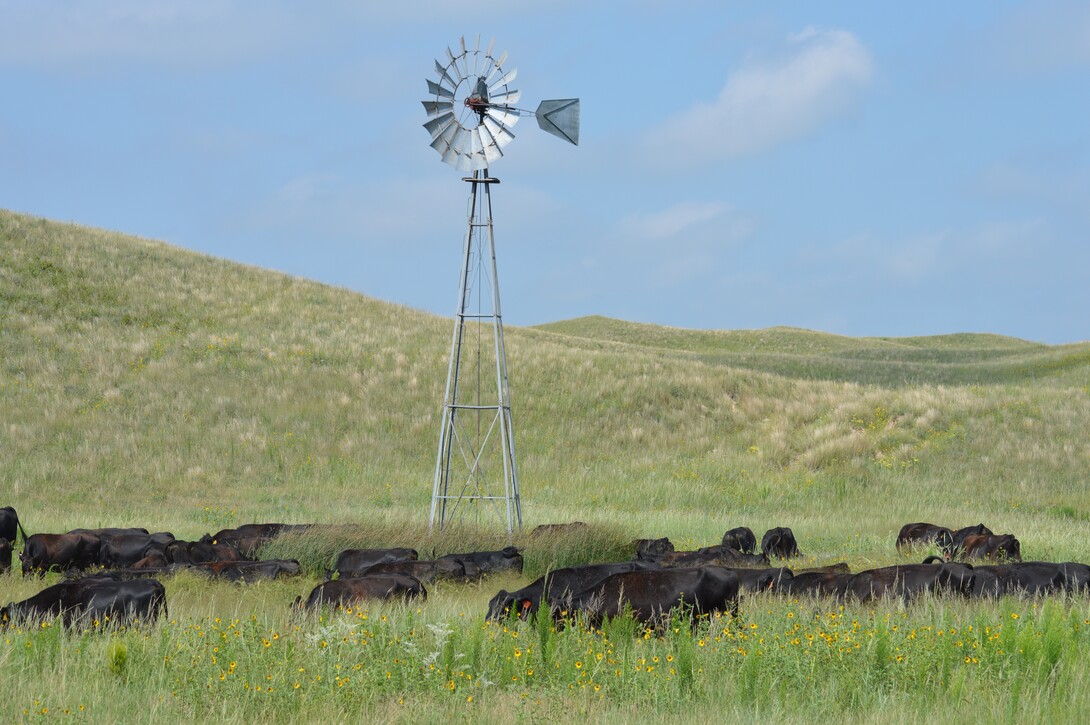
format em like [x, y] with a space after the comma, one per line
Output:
[142, 385]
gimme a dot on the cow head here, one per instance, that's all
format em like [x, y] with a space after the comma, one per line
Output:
[504, 604]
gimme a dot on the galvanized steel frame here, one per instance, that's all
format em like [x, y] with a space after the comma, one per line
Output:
[445, 503]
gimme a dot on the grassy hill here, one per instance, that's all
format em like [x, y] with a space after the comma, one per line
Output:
[141, 383]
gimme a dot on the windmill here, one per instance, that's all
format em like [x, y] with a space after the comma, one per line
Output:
[471, 111]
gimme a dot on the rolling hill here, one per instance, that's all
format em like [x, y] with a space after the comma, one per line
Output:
[144, 383]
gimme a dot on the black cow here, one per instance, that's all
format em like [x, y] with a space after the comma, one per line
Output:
[109, 531]
[652, 549]
[1032, 578]
[754, 581]
[995, 547]
[487, 562]
[346, 591]
[5, 556]
[125, 550]
[63, 551]
[426, 571]
[908, 580]
[10, 526]
[961, 534]
[248, 538]
[250, 571]
[353, 562]
[742, 539]
[923, 534]
[556, 588]
[199, 552]
[650, 594]
[779, 543]
[105, 600]
[712, 556]
[817, 584]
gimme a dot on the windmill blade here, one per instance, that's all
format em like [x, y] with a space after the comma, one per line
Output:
[491, 44]
[439, 91]
[560, 118]
[503, 115]
[507, 79]
[444, 76]
[436, 107]
[438, 124]
[506, 99]
[500, 133]
[476, 142]
[492, 150]
[450, 156]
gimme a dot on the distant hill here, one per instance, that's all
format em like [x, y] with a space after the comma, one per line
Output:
[939, 359]
[142, 383]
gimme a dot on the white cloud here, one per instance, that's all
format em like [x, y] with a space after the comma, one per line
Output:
[767, 103]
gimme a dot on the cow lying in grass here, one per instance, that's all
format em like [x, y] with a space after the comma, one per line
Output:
[92, 601]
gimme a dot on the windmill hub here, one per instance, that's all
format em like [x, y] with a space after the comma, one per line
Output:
[477, 137]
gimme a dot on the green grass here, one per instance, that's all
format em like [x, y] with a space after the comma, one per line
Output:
[142, 384]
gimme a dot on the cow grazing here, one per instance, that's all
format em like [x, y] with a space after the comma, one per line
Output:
[923, 534]
[742, 539]
[355, 589]
[779, 543]
[64, 552]
[906, 581]
[556, 588]
[995, 547]
[712, 556]
[487, 562]
[10, 526]
[651, 594]
[92, 600]
[353, 562]
[652, 549]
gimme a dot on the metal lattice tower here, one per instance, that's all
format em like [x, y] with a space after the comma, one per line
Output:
[470, 115]
[476, 465]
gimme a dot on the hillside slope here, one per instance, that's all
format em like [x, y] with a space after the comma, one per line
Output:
[144, 383]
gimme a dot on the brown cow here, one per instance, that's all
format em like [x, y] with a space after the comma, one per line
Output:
[985, 546]
[63, 551]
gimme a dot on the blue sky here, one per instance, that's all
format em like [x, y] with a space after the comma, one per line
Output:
[861, 168]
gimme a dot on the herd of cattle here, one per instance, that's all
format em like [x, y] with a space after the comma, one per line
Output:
[974, 563]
